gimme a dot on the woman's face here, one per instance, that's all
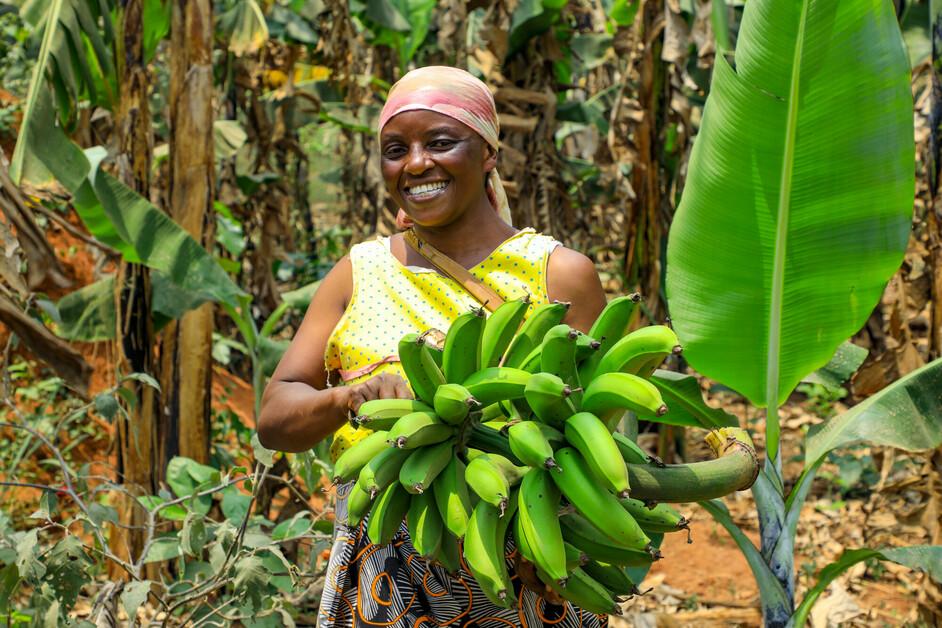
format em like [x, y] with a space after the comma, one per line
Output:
[434, 166]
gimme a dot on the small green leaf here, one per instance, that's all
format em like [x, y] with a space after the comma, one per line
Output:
[133, 595]
[623, 12]
[9, 582]
[235, 505]
[164, 547]
[173, 513]
[295, 526]
[386, 15]
[263, 455]
[250, 579]
[106, 405]
[67, 569]
[145, 379]
[845, 362]
[193, 534]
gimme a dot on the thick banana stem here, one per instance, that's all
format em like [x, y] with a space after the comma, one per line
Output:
[735, 469]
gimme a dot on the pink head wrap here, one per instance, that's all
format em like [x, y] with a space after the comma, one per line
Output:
[457, 94]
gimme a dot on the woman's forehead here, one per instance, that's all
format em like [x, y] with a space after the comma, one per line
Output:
[419, 122]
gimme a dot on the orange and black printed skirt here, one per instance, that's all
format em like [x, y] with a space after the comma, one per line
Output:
[391, 585]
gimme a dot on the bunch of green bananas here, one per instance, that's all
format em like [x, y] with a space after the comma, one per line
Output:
[512, 435]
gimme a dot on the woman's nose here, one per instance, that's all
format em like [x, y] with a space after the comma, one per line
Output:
[417, 160]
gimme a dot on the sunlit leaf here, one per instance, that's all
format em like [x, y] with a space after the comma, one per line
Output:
[775, 158]
[906, 414]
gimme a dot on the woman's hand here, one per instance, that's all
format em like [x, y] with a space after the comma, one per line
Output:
[527, 573]
[383, 386]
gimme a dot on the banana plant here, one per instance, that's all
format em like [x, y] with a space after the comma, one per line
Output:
[795, 214]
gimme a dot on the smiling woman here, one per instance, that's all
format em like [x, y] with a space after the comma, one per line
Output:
[439, 144]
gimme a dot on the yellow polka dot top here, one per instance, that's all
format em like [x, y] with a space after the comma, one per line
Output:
[390, 300]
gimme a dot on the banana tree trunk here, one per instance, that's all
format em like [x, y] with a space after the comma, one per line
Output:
[186, 344]
[139, 466]
[644, 231]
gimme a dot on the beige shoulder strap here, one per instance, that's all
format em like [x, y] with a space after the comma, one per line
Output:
[474, 286]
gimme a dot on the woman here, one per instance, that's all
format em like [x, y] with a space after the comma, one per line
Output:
[438, 139]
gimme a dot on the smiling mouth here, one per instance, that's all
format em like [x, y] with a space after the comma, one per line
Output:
[426, 190]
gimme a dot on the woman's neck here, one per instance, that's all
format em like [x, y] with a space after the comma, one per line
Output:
[470, 238]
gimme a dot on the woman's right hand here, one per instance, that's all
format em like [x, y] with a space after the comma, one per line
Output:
[383, 386]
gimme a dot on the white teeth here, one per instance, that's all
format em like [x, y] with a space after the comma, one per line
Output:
[428, 187]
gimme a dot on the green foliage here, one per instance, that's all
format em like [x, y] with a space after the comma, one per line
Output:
[794, 278]
[46, 573]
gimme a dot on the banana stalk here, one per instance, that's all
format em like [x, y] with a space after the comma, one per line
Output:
[735, 469]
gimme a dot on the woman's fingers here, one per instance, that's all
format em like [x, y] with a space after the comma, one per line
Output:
[387, 386]
[402, 388]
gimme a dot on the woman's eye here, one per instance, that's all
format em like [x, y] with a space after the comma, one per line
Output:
[392, 152]
[442, 143]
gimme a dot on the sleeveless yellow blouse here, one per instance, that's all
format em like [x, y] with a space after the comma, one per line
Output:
[390, 300]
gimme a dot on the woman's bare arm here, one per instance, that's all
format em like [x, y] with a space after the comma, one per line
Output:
[571, 276]
[298, 409]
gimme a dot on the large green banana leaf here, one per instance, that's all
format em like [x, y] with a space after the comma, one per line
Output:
[799, 196]
[63, 65]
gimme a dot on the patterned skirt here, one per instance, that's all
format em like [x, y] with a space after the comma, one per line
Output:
[391, 585]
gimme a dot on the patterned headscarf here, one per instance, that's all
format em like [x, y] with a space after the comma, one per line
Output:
[457, 94]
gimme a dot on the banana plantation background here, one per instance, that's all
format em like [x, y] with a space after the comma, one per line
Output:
[178, 175]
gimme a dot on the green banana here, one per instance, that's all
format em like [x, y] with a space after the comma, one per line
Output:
[499, 330]
[558, 355]
[612, 577]
[484, 554]
[421, 370]
[594, 441]
[575, 557]
[350, 462]
[463, 345]
[492, 412]
[611, 393]
[528, 443]
[358, 504]
[533, 361]
[425, 525]
[586, 346]
[640, 352]
[423, 466]
[449, 553]
[387, 514]
[381, 414]
[583, 591]
[549, 397]
[534, 328]
[581, 533]
[608, 328]
[656, 518]
[382, 470]
[453, 403]
[520, 540]
[491, 476]
[451, 497]
[487, 438]
[538, 513]
[419, 429]
[497, 383]
[631, 451]
[577, 483]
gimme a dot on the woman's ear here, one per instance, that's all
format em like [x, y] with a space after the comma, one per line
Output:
[490, 158]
